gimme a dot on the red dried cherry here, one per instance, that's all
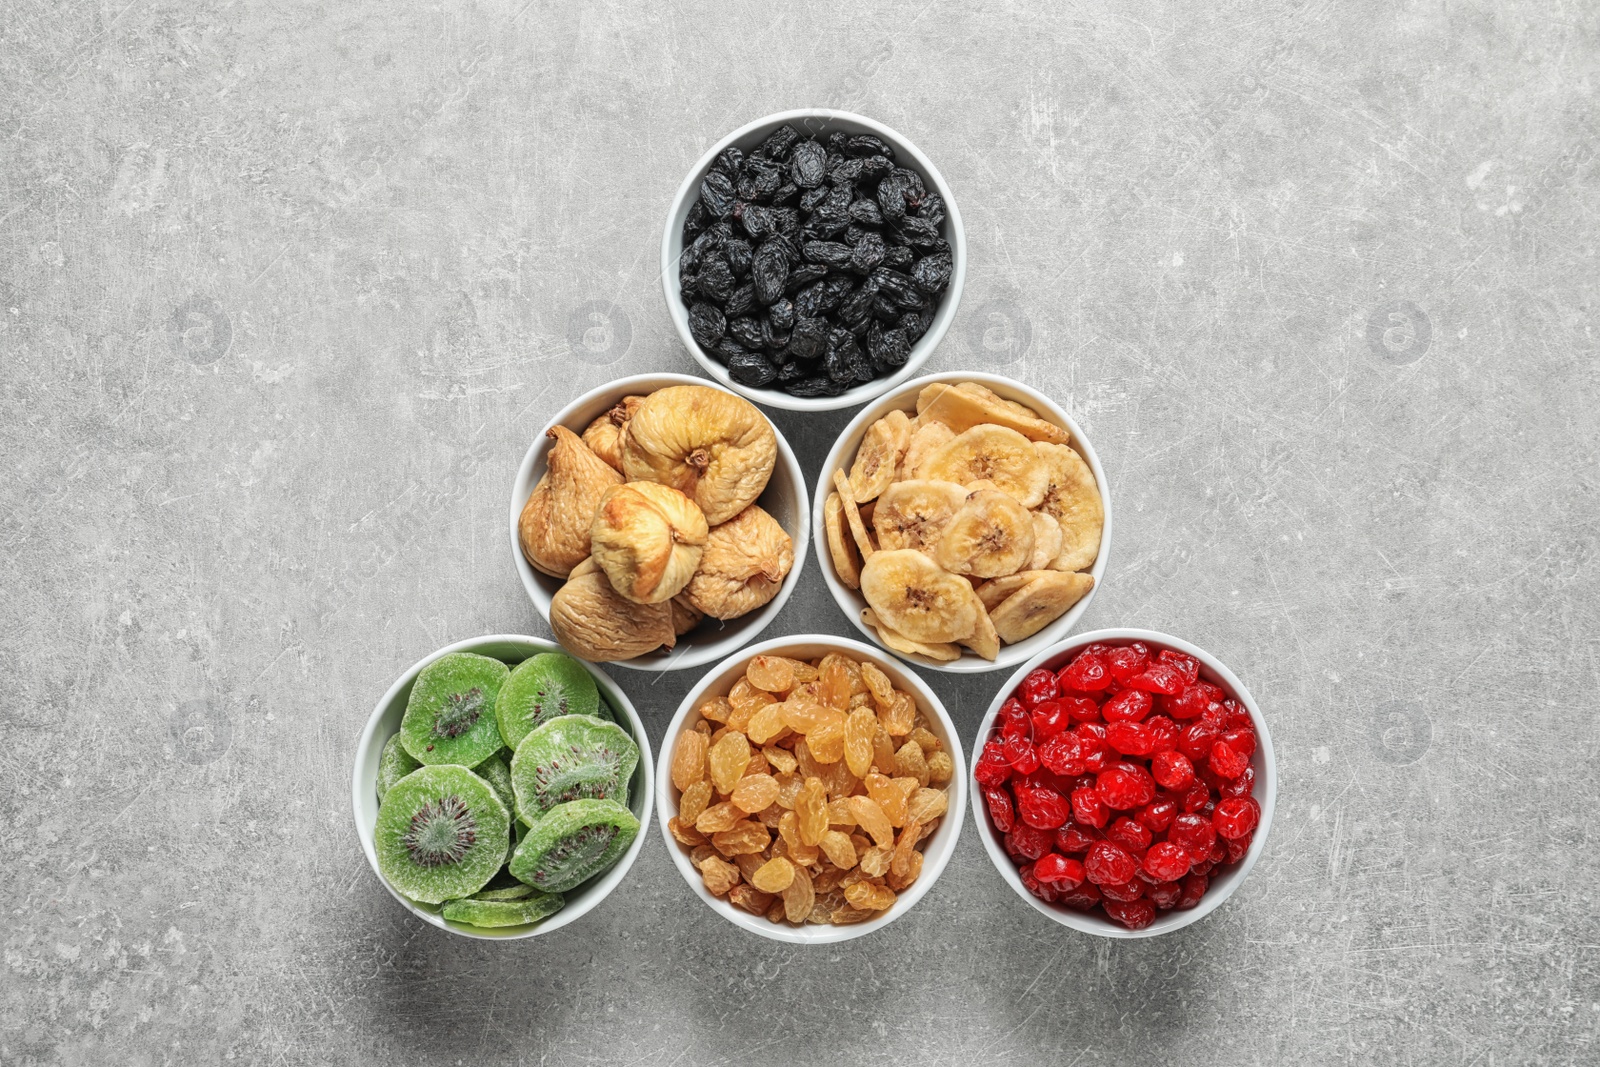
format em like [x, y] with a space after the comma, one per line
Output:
[1193, 833]
[1187, 665]
[1129, 834]
[1189, 704]
[1241, 740]
[1130, 705]
[1073, 839]
[1164, 895]
[1039, 685]
[1234, 715]
[1062, 754]
[1118, 789]
[1020, 754]
[1083, 898]
[1088, 809]
[1167, 861]
[1081, 709]
[1195, 798]
[1033, 884]
[1129, 738]
[1236, 817]
[1000, 811]
[1194, 887]
[1172, 770]
[1109, 864]
[1240, 786]
[1163, 733]
[1043, 809]
[1026, 841]
[1157, 815]
[1059, 871]
[992, 767]
[1012, 711]
[1086, 673]
[1125, 662]
[1159, 678]
[1238, 847]
[1226, 762]
[1195, 742]
[1135, 914]
[1125, 892]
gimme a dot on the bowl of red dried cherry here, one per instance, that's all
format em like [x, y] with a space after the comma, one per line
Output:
[1125, 783]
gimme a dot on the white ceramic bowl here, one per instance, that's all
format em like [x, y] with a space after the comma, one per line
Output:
[385, 722]
[810, 122]
[1224, 880]
[936, 851]
[851, 602]
[784, 499]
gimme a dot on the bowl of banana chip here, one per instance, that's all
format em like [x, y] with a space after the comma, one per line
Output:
[963, 522]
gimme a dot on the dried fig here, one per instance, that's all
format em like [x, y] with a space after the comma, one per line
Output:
[592, 620]
[554, 527]
[685, 616]
[604, 434]
[648, 539]
[714, 447]
[745, 562]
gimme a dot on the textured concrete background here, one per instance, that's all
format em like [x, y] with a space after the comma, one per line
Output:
[286, 289]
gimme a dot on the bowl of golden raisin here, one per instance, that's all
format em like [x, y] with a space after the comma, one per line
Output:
[811, 789]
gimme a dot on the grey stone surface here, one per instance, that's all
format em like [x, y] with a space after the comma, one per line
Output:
[285, 290]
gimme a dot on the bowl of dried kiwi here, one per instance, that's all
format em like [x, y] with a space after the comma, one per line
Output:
[813, 259]
[500, 786]
[811, 789]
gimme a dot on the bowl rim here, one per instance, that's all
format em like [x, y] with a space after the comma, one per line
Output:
[1265, 792]
[851, 602]
[934, 866]
[672, 242]
[696, 653]
[364, 786]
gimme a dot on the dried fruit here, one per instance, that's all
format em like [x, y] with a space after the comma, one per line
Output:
[1073, 500]
[742, 838]
[648, 539]
[441, 834]
[990, 535]
[773, 876]
[744, 564]
[994, 454]
[714, 447]
[595, 622]
[869, 896]
[842, 547]
[928, 436]
[913, 596]
[916, 513]
[967, 404]
[941, 651]
[755, 792]
[1039, 603]
[554, 527]
[727, 760]
[604, 435]
[878, 457]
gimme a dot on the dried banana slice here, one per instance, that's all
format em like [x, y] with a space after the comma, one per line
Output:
[1046, 540]
[989, 536]
[915, 513]
[1038, 604]
[604, 435]
[996, 454]
[916, 597]
[554, 526]
[842, 546]
[926, 439]
[595, 622]
[1073, 500]
[648, 538]
[942, 651]
[985, 641]
[852, 514]
[992, 593]
[878, 457]
[745, 562]
[713, 447]
[969, 404]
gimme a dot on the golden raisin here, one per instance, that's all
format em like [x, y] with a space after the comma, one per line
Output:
[805, 762]
[700, 853]
[839, 813]
[839, 850]
[827, 742]
[789, 786]
[685, 833]
[882, 751]
[926, 740]
[769, 816]
[901, 716]
[909, 762]
[748, 863]
[743, 836]
[811, 808]
[756, 791]
[941, 768]
[689, 759]
[715, 710]
[771, 673]
[901, 862]
[805, 715]
[875, 861]
[869, 897]
[728, 758]
[766, 724]
[877, 683]
[749, 898]
[775, 911]
[839, 780]
[859, 731]
[773, 876]
[913, 870]
[694, 801]
[719, 875]
[717, 818]
[848, 916]
[835, 683]
[927, 805]
[870, 817]
[781, 758]
[798, 896]
[889, 798]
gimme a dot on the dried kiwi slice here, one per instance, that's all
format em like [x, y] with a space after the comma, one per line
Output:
[510, 892]
[497, 772]
[493, 913]
[450, 716]
[573, 842]
[441, 834]
[572, 757]
[541, 688]
[394, 763]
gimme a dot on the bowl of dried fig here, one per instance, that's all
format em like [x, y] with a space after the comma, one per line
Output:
[659, 522]
[813, 259]
[811, 789]
[963, 522]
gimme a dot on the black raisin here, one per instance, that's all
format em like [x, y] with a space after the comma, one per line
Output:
[769, 269]
[747, 331]
[864, 144]
[891, 349]
[716, 278]
[892, 196]
[866, 212]
[873, 168]
[808, 339]
[898, 257]
[918, 232]
[845, 361]
[932, 273]
[845, 172]
[741, 300]
[706, 324]
[812, 199]
[835, 288]
[738, 252]
[752, 369]
[729, 160]
[716, 193]
[808, 301]
[696, 221]
[856, 307]
[808, 164]
[727, 349]
[782, 315]
[867, 253]
[915, 323]
[778, 142]
[773, 339]
[932, 209]
[828, 253]
[911, 182]
[757, 221]
[804, 275]
[885, 309]
[815, 387]
[793, 371]
[898, 287]
[785, 193]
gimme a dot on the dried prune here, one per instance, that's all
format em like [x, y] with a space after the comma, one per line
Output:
[752, 369]
[716, 193]
[808, 164]
[932, 272]
[706, 324]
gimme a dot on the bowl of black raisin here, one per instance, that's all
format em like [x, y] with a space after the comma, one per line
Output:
[813, 260]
